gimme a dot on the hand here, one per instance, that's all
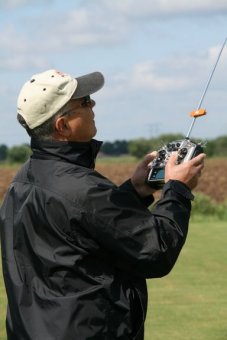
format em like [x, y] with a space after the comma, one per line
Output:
[139, 176]
[187, 172]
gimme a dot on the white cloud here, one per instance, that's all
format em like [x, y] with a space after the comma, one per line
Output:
[22, 53]
[23, 62]
[12, 4]
[78, 28]
[13, 40]
[175, 74]
[86, 26]
[131, 7]
[145, 76]
[164, 76]
[75, 28]
[165, 7]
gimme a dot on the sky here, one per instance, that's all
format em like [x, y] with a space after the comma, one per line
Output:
[156, 57]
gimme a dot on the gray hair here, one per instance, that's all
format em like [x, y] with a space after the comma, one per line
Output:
[46, 130]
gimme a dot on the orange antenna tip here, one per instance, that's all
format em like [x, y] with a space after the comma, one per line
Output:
[198, 113]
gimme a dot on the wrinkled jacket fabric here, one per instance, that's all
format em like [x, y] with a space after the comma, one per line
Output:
[77, 249]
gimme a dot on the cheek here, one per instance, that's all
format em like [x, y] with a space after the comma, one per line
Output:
[88, 122]
[83, 128]
[85, 123]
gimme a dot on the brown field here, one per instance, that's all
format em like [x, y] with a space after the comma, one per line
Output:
[212, 183]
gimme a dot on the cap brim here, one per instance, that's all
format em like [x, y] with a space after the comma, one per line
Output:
[88, 84]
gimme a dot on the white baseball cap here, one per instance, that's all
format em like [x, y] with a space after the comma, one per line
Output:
[47, 92]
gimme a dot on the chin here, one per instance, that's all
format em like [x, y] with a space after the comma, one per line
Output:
[95, 132]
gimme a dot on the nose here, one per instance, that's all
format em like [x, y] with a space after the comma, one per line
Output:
[93, 103]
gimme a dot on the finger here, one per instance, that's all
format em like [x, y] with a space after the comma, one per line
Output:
[199, 173]
[150, 157]
[199, 167]
[173, 158]
[198, 159]
[196, 171]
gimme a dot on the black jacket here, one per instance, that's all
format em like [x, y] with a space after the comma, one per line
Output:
[76, 249]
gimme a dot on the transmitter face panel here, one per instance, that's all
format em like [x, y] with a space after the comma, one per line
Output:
[186, 150]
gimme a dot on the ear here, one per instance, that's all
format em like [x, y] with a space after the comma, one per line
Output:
[62, 127]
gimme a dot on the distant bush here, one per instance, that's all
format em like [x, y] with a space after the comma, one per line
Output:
[3, 152]
[19, 154]
[204, 206]
[139, 147]
[119, 147]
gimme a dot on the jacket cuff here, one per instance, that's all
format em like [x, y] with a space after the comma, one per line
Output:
[180, 188]
[147, 201]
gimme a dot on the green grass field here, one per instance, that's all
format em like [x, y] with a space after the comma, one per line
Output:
[2, 306]
[191, 302]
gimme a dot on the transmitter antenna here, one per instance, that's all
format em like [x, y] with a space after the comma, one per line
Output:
[200, 112]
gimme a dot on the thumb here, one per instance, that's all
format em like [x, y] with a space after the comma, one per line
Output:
[149, 158]
[173, 158]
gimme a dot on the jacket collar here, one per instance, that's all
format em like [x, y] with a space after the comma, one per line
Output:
[81, 153]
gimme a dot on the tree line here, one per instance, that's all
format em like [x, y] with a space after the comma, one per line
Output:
[137, 147]
[14, 154]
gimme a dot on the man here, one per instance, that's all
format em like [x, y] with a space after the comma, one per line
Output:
[76, 248]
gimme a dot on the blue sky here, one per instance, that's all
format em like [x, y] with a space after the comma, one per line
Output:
[156, 57]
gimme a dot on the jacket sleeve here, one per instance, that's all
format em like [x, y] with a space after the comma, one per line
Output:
[140, 241]
[129, 187]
